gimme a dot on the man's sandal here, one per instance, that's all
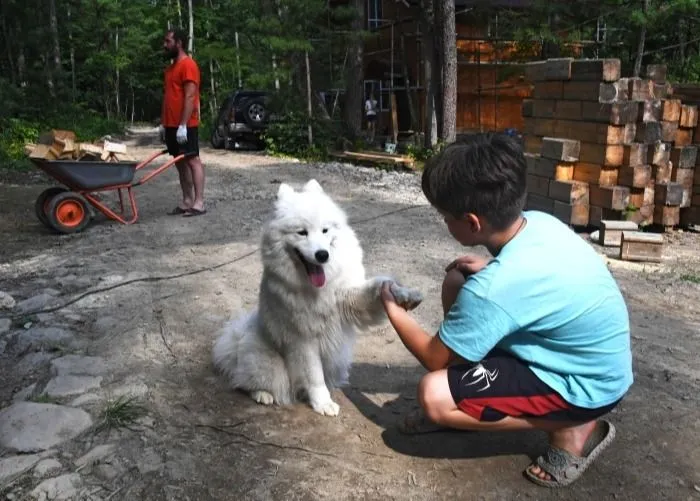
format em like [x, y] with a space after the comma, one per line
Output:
[563, 467]
[416, 422]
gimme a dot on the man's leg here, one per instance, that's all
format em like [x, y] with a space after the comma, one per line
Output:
[196, 169]
[183, 172]
[197, 174]
[186, 184]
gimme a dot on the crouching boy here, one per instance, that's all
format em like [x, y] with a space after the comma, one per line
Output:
[536, 337]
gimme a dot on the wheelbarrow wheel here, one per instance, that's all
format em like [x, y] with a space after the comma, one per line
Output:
[68, 212]
[41, 206]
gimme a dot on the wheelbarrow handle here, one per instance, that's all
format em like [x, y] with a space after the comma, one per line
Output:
[160, 169]
[150, 159]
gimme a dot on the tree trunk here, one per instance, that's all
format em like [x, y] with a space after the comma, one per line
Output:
[179, 12]
[117, 82]
[354, 87]
[642, 42]
[8, 45]
[238, 62]
[308, 97]
[448, 133]
[190, 38]
[212, 79]
[74, 91]
[429, 63]
[54, 35]
[410, 96]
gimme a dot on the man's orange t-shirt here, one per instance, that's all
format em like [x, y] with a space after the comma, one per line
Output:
[176, 75]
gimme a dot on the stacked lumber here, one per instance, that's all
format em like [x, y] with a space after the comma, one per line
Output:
[637, 144]
[64, 145]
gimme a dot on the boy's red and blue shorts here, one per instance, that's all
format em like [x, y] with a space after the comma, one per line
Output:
[502, 385]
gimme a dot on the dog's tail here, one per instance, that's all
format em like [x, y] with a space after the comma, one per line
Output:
[225, 349]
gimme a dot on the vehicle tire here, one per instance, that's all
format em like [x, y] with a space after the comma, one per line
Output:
[255, 112]
[41, 206]
[217, 141]
[68, 212]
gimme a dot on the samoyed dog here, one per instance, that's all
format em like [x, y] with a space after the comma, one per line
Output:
[313, 298]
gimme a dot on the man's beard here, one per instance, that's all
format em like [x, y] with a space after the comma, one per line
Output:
[170, 54]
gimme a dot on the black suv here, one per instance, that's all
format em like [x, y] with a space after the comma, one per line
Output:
[242, 118]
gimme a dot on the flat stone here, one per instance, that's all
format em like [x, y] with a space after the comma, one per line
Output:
[77, 365]
[51, 292]
[96, 455]
[25, 393]
[65, 386]
[32, 362]
[46, 467]
[135, 390]
[46, 318]
[149, 461]
[35, 303]
[87, 399]
[7, 302]
[46, 338]
[5, 325]
[12, 467]
[31, 427]
[61, 488]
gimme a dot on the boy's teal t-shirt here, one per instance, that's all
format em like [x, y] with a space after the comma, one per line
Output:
[548, 299]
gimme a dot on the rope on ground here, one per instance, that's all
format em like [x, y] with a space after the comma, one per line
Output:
[180, 275]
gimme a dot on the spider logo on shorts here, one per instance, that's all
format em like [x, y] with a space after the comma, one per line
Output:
[480, 373]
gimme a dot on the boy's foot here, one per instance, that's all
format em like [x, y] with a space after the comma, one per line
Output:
[416, 422]
[558, 467]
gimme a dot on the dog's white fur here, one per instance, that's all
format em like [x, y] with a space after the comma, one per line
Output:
[299, 341]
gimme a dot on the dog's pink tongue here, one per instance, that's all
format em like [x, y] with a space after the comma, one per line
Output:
[316, 275]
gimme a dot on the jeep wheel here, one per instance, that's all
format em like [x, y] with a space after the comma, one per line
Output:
[217, 141]
[255, 113]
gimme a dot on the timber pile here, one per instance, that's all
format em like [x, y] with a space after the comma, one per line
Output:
[603, 147]
[64, 145]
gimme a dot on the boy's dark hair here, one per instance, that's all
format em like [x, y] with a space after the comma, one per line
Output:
[179, 35]
[484, 174]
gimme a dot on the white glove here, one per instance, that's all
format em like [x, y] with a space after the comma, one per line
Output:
[161, 132]
[181, 134]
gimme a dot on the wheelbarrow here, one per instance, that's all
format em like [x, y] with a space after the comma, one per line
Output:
[67, 210]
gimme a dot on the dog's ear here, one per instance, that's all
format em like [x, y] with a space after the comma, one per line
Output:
[313, 186]
[284, 190]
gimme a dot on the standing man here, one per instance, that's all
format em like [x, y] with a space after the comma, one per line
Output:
[180, 122]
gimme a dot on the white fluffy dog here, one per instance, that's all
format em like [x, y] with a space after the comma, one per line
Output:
[313, 296]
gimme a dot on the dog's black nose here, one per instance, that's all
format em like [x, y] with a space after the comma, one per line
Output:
[321, 256]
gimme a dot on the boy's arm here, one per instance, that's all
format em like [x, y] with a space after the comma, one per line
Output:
[188, 108]
[428, 350]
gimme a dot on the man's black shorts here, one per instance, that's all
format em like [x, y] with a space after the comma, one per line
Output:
[175, 148]
[502, 385]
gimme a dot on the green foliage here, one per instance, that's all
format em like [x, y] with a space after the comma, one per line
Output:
[290, 137]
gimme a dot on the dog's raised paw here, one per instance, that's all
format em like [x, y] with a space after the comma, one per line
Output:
[262, 397]
[329, 408]
[405, 297]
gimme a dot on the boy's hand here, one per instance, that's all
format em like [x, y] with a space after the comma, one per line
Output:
[468, 264]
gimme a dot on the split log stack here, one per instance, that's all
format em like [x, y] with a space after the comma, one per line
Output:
[601, 146]
[64, 145]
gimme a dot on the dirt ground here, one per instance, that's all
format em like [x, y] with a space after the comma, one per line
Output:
[162, 288]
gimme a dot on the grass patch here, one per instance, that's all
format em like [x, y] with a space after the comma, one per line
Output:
[43, 399]
[694, 279]
[120, 413]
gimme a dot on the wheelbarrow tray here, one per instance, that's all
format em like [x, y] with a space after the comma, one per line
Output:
[90, 175]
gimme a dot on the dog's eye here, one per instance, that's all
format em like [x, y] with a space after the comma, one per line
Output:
[303, 233]
[325, 230]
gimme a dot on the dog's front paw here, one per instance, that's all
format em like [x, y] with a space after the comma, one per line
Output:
[321, 401]
[262, 397]
[405, 297]
[329, 408]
